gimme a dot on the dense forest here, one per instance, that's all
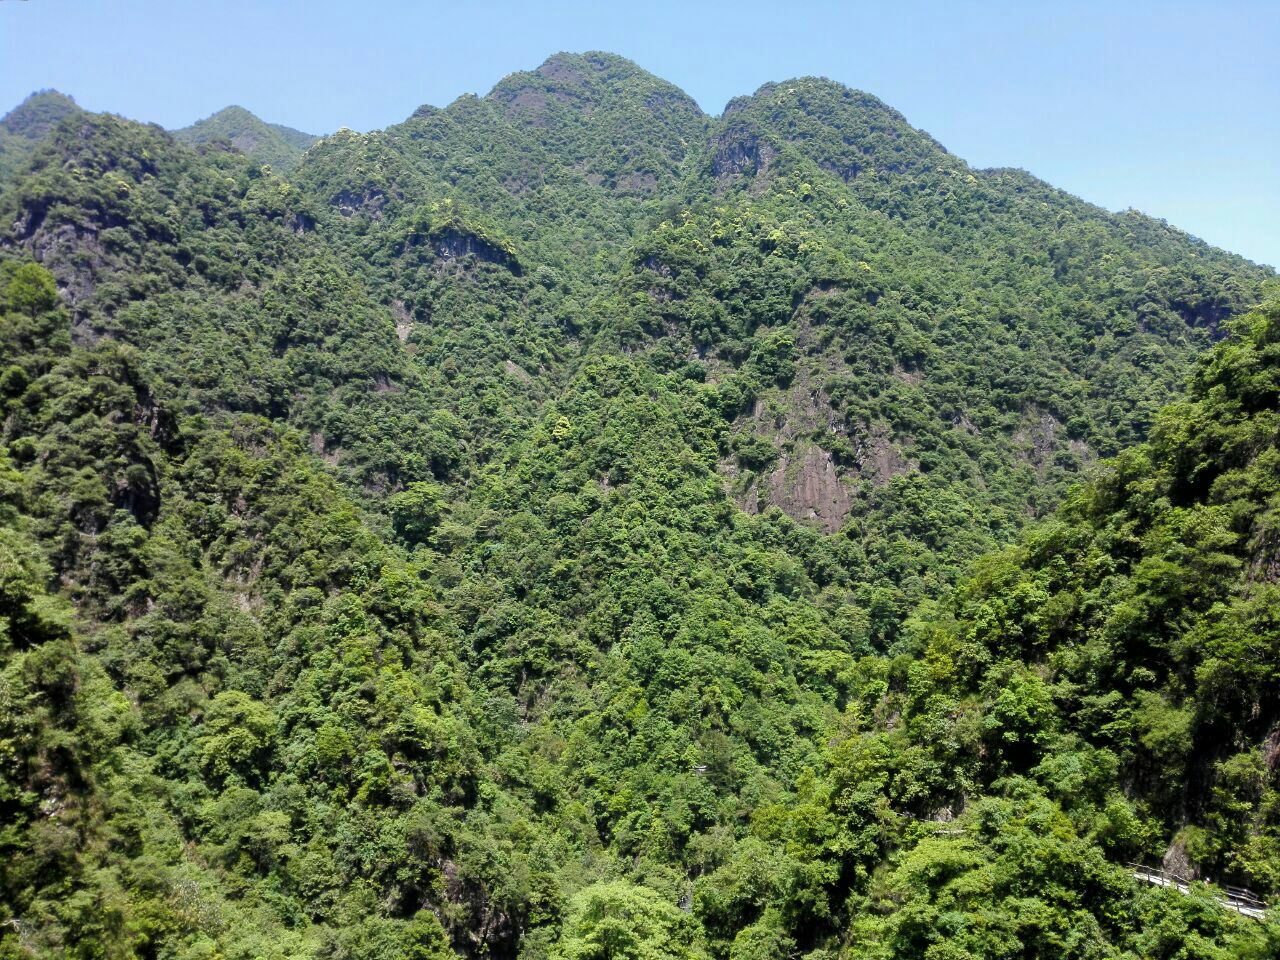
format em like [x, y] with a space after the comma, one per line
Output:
[568, 526]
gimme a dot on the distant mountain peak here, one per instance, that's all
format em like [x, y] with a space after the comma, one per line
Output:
[30, 122]
[269, 143]
[811, 95]
[591, 79]
[598, 62]
[38, 114]
[621, 126]
[234, 112]
[846, 131]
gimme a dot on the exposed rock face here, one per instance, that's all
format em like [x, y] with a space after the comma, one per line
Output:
[519, 373]
[642, 184]
[846, 171]
[300, 222]
[1264, 564]
[740, 151]
[1208, 314]
[562, 71]
[454, 244]
[1271, 749]
[72, 252]
[74, 255]
[805, 481]
[808, 488]
[530, 105]
[246, 142]
[1177, 861]
[370, 203]
[1042, 438]
[878, 457]
[405, 322]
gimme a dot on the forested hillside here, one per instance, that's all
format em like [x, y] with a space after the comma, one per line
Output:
[554, 527]
[26, 125]
[272, 144]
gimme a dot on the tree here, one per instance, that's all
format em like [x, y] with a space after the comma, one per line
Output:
[31, 290]
[236, 738]
[416, 511]
[621, 921]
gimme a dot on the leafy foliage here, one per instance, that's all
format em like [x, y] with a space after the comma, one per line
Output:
[270, 143]
[23, 127]
[550, 528]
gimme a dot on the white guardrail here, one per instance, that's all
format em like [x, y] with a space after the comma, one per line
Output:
[1242, 901]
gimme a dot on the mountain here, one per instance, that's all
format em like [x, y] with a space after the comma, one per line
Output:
[262, 142]
[567, 525]
[599, 114]
[1103, 691]
[28, 123]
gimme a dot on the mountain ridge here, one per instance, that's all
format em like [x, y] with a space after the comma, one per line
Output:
[584, 527]
[28, 123]
[270, 143]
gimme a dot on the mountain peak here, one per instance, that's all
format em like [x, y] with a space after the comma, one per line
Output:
[38, 114]
[808, 94]
[269, 143]
[620, 125]
[26, 125]
[597, 65]
[235, 112]
[820, 97]
[844, 130]
[589, 80]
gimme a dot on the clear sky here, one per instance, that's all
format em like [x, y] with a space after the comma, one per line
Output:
[1170, 107]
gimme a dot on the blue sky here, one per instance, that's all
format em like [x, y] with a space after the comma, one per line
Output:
[1170, 107]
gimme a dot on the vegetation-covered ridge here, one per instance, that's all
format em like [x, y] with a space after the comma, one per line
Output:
[23, 127]
[270, 143]
[554, 527]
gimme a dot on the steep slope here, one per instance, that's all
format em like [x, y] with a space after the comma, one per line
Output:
[178, 539]
[910, 352]
[501, 535]
[491, 226]
[211, 268]
[563, 158]
[1105, 691]
[236, 619]
[1146, 613]
[269, 143]
[23, 127]
[606, 119]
